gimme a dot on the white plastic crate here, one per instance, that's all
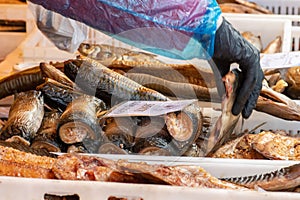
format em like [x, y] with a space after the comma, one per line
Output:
[292, 33]
[29, 188]
[267, 28]
[281, 7]
[272, 123]
[13, 11]
[35, 189]
[10, 40]
[295, 43]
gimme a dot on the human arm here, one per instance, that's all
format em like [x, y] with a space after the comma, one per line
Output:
[230, 47]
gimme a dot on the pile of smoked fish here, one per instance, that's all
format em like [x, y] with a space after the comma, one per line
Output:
[61, 106]
[73, 166]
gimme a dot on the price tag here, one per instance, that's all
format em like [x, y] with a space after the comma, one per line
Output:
[147, 108]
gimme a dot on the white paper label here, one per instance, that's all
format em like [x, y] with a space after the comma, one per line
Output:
[147, 108]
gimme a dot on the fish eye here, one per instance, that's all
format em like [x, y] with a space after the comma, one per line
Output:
[85, 45]
[106, 54]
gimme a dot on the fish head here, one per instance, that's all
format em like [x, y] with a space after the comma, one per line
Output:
[105, 54]
[228, 81]
[231, 83]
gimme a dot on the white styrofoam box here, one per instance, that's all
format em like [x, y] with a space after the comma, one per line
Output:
[91, 190]
[282, 7]
[266, 27]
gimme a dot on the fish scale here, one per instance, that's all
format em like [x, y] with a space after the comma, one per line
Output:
[20, 121]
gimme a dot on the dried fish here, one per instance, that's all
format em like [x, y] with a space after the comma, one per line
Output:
[47, 137]
[22, 145]
[98, 80]
[274, 46]
[122, 125]
[175, 89]
[182, 73]
[277, 104]
[18, 140]
[239, 148]
[276, 146]
[25, 116]
[280, 86]
[274, 78]
[224, 127]
[58, 94]
[120, 131]
[108, 54]
[127, 61]
[80, 167]
[79, 120]
[253, 39]
[152, 138]
[20, 81]
[185, 126]
[292, 77]
[50, 71]
[283, 178]
[181, 175]
[18, 163]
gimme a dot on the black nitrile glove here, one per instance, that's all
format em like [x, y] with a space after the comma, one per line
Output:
[231, 47]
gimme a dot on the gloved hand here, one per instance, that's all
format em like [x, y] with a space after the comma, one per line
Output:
[230, 47]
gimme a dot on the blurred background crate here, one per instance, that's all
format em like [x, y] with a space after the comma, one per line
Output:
[9, 40]
[281, 7]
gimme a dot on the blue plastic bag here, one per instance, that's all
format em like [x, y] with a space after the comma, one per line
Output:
[181, 29]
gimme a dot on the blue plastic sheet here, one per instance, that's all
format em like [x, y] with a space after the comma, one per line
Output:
[182, 29]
